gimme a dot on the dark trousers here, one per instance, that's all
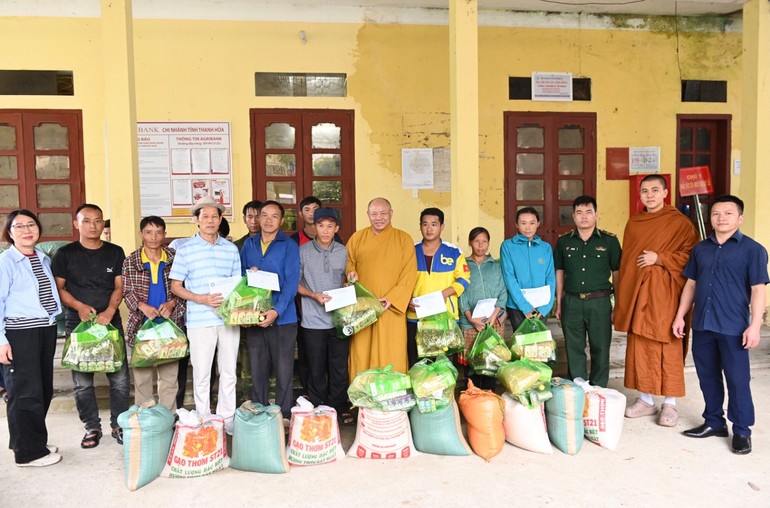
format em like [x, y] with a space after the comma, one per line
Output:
[29, 381]
[85, 396]
[411, 343]
[715, 354]
[303, 362]
[328, 365]
[272, 347]
[592, 317]
[516, 317]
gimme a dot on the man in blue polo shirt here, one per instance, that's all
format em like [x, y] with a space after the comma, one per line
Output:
[726, 275]
[204, 258]
[271, 343]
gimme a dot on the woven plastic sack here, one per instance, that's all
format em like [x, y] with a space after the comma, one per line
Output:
[484, 411]
[488, 352]
[258, 439]
[523, 375]
[439, 432]
[382, 389]
[564, 415]
[245, 305]
[158, 343]
[533, 340]
[147, 433]
[439, 334]
[92, 347]
[198, 447]
[314, 436]
[433, 383]
[525, 427]
[352, 319]
[603, 414]
[382, 435]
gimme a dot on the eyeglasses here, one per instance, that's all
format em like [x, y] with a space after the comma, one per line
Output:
[30, 226]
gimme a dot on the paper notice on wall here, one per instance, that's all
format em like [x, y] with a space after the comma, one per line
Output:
[643, 159]
[182, 193]
[200, 161]
[417, 168]
[442, 170]
[180, 161]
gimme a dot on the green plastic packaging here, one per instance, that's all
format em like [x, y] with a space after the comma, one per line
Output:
[488, 352]
[439, 335]
[350, 320]
[158, 343]
[533, 340]
[92, 347]
[382, 389]
[433, 383]
[245, 305]
[523, 375]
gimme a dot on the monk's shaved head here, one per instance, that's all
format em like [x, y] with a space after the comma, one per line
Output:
[379, 202]
[652, 178]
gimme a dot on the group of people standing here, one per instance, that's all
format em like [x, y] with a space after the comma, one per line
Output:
[654, 280]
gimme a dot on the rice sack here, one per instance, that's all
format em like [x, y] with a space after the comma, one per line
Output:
[564, 415]
[439, 432]
[198, 447]
[147, 433]
[525, 427]
[382, 435]
[314, 436]
[603, 414]
[258, 439]
[484, 412]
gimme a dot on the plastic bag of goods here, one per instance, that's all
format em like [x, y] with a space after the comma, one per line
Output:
[533, 340]
[198, 447]
[433, 383]
[245, 305]
[484, 412]
[488, 352]
[382, 435]
[603, 414]
[147, 433]
[352, 319]
[439, 432]
[92, 347]
[523, 375]
[158, 343]
[382, 389]
[258, 439]
[439, 334]
[564, 415]
[314, 436]
[525, 427]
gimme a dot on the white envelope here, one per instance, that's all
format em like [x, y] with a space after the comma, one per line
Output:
[224, 285]
[537, 297]
[484, 308]
[430, 304]
[341, 297]
[263, 279]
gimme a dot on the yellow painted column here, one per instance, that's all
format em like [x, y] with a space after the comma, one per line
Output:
[464, 108]
[121, 170]
[755, 157]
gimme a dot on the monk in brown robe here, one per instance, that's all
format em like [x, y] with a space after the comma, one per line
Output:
[656, 248]
[382, 259]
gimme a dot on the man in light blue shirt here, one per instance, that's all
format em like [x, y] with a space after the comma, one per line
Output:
[203, 259]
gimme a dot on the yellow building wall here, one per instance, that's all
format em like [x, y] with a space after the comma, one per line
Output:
[398, 87]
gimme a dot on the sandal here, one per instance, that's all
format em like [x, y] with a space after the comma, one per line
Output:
[3, 394]
[91, 439]
[117, 433]
[348, 419]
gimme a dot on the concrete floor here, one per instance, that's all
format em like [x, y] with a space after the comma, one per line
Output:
[653, 466]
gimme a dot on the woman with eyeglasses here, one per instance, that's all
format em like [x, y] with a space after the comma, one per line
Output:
[29, 304]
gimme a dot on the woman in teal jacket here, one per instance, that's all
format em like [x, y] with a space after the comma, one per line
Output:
[527, 263]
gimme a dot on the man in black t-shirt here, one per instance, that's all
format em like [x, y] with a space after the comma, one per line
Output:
[88, 275]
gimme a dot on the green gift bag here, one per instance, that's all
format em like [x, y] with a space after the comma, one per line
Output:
[488, 352]
[439, 335]
[382, 389]
[352, 319]
[92, 347]
[245, 305]
[158, 343]
[533, 340]
[522, 375]
[433, 383]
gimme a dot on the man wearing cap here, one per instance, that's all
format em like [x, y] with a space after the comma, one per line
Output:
[271, 343]
[322, 264]
[584, 259]
[207, 257]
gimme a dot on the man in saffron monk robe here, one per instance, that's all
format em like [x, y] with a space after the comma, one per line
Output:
[382, 259]
[656, 247]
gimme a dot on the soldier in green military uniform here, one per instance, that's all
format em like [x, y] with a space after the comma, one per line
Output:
[584, 259]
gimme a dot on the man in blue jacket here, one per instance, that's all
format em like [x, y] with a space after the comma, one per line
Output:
[527, 264]
[271, 343]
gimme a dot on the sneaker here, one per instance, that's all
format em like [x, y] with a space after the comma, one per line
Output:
[52, 448]
[48, 460]
[640, 408]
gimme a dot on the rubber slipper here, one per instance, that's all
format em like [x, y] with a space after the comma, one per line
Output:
[117, 433]
[91, 439]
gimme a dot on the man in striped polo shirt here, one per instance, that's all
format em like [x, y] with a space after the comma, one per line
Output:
[204, 258]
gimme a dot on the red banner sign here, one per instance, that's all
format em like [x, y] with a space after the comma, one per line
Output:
[695, 180]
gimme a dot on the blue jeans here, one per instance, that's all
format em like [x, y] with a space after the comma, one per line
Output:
[85, 397]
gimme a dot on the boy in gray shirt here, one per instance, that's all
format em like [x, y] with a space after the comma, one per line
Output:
[322, 267]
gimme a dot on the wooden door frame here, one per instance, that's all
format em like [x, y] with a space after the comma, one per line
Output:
[725, 133]
[509, 198]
